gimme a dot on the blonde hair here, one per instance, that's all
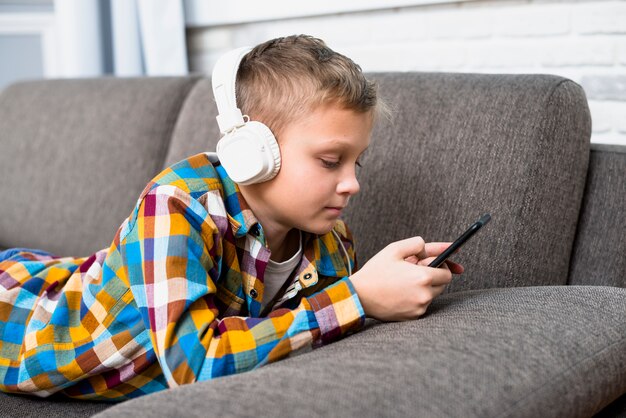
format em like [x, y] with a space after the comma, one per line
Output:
[280, 80]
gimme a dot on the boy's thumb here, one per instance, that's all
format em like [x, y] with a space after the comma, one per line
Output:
[407, 247]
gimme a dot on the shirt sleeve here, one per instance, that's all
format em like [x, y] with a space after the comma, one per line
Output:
[173, 251]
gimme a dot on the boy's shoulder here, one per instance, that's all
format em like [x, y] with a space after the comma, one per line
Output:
[189, 178]
[194, 175]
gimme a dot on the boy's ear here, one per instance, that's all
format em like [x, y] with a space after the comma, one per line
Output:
[248, 151]
[250, 154]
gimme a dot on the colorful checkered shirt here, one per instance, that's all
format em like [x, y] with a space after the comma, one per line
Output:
[175, 299]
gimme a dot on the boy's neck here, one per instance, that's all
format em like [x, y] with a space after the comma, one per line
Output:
[282, 241]
[283, 244]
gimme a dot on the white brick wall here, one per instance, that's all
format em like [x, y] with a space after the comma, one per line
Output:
[582, 40]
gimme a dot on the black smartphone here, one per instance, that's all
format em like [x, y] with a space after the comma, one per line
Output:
[460, 240]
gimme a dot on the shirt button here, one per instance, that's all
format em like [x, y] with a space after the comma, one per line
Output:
[307, 276]
[254, 293]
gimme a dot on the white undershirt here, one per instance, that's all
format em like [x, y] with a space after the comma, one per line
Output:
[277, 273]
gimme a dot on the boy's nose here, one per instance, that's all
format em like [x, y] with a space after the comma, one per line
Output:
[349, 184]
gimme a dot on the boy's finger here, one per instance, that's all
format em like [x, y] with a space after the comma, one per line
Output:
[455, 268]
[437, 290]
[407, 247]
[426, 261]
[441, 277]
[433, 249]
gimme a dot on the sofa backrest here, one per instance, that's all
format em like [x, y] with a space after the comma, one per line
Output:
[76, 154]
[516, 146]
[599, 255]
[196, 130]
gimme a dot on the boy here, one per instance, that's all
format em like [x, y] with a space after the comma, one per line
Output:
[210, 276]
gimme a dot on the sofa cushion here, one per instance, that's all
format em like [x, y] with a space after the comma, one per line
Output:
[18, 406]
[78, 153]
[598, 255]
[518, 352]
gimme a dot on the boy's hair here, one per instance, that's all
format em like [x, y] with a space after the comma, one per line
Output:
[282, 79]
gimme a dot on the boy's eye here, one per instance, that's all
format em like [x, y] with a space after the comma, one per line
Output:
[335, 164]
[330, 164]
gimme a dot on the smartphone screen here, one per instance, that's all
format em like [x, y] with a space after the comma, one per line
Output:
[460, 240]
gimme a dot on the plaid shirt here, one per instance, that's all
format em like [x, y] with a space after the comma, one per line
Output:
[175, 299]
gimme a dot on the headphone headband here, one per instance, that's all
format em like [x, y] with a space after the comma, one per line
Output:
[223, 80]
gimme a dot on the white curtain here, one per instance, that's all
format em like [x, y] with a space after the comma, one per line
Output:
[147, 37]
[79, 36]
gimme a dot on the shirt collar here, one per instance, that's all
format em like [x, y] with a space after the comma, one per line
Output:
[323, 251]
[239, 213]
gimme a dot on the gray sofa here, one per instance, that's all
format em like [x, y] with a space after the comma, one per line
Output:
[535, 327]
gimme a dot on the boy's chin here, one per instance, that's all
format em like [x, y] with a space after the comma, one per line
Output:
[319, 230]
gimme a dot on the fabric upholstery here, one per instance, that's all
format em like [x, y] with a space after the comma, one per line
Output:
[19, 406]
[515, 146]
[196, 130]
[76, 154]
[520, 352]
[599, 252]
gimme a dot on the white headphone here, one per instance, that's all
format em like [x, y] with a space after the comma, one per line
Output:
[248, 150]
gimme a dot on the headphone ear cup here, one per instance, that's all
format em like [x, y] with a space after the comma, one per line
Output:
[250, 154]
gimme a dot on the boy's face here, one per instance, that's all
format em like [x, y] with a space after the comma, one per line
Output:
[318, 171]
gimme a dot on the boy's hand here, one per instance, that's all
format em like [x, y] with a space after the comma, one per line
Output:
[432, 250]
[397, 285]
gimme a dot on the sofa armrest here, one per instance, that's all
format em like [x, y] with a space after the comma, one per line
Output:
[598, 254]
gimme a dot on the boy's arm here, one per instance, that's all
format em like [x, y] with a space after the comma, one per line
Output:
[174, 254]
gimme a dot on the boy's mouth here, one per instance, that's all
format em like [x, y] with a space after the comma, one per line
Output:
[336, 210]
